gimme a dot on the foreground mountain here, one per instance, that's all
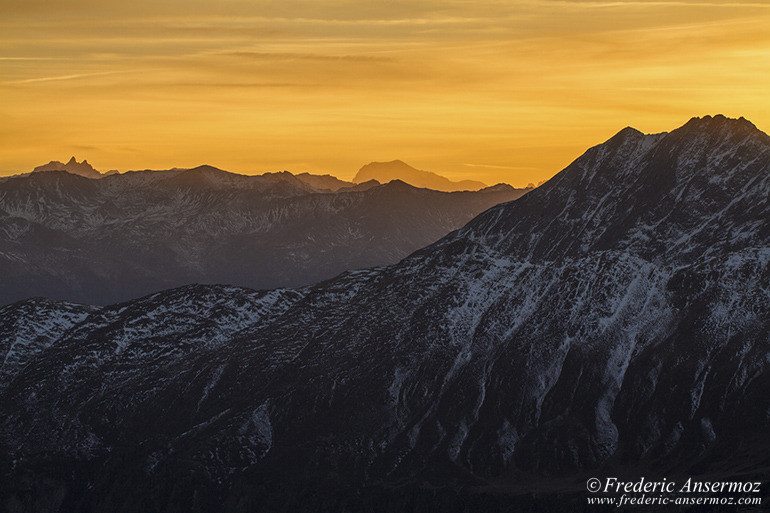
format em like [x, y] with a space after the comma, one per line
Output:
[67, 237]
[399, 170]
[613, 322]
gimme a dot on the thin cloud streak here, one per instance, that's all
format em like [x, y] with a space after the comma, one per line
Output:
[26, 59]
[67, 77]
[304, 56]
[493, 166]
[660, 3]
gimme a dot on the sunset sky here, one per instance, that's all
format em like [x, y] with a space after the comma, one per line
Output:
[491, 90]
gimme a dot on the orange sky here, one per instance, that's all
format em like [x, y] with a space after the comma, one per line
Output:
[490, 90]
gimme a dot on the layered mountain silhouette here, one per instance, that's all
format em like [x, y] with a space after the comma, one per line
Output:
[612, 322]
[64, 236]
[325, 182]
[74, 167]
[398, 170]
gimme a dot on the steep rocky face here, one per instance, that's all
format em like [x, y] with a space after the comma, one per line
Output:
[490, 364]
[697, 191]
[100, 241]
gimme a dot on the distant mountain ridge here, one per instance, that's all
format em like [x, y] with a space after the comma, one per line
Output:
[109, 239]
[399, 170]
[321, 182]
[379, 172]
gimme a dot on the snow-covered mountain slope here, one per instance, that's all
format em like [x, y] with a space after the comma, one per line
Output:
[590, 328]
[700, 190]
[67, 237]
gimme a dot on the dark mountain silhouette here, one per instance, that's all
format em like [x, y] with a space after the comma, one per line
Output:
[324, 182]
[64, 236]
[363, 186]
[74, 167]
[398, 170]
[613, 322]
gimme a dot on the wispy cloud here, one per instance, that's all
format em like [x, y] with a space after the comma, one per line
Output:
[289, 56]
[657, 3]
[236, 85]
[73, 76]
[495, 166]
[26, 58]
[62, 77]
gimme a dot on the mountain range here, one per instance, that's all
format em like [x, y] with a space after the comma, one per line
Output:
[612, 322]
[370, 174]
[100, 241]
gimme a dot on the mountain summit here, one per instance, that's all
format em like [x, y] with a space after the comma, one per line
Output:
[385, 172]
[695, 191]
[73, 166]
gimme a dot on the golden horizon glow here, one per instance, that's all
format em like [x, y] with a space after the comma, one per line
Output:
[490, 90]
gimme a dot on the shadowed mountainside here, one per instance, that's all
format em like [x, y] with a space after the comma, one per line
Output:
[63, 236]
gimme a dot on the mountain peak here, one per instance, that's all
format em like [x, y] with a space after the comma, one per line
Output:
[629, 131]
[664, 196]
[324, 182]
[720, 123]
[499, 187]
[385, 172]
[399, 184]
[206, 168]
[627, 136]
[204, 176]
[72, 166]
